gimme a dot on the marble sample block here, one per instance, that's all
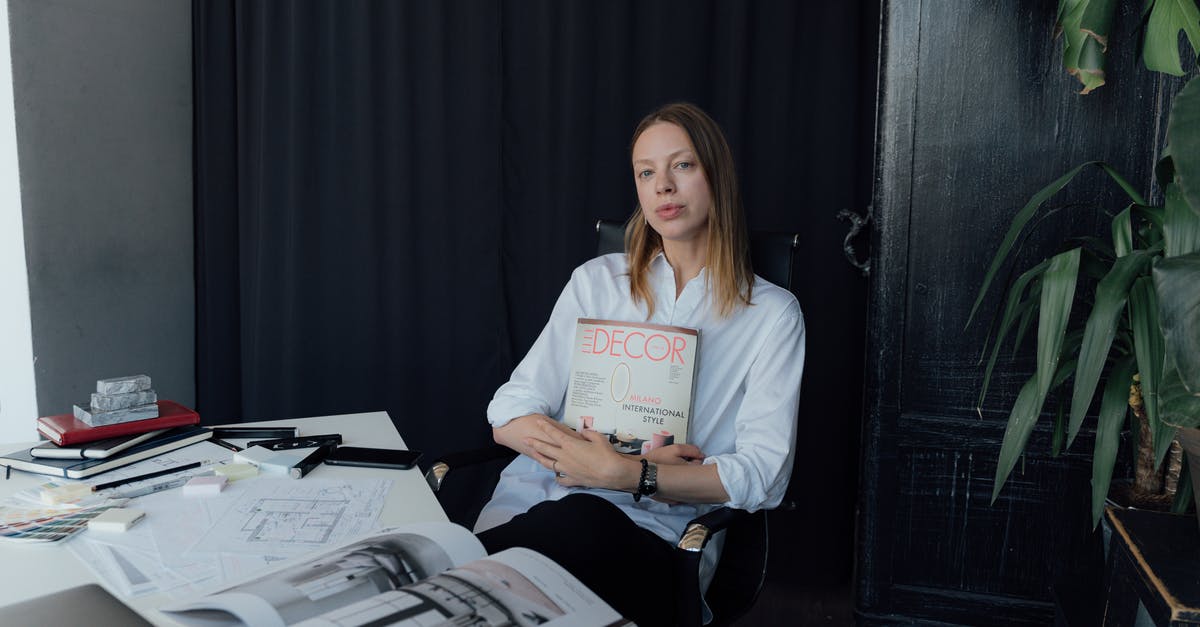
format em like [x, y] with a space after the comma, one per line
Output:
[109, 402]
[91, 418]
[123, 385]
[116, 519]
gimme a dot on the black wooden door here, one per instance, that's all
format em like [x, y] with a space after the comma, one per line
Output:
[975, 115]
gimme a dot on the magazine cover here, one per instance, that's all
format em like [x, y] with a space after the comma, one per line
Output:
[632, 381]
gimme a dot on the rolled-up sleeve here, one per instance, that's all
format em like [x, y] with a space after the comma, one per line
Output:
[756, 474]
[539, 383]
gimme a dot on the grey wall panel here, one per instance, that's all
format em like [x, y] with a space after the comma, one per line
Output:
[103, 96]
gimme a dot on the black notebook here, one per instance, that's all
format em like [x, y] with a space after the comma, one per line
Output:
[97, 449]
[169, 440]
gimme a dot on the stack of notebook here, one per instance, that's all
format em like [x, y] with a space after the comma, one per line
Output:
[77, 450]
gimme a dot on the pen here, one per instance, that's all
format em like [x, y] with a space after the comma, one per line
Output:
[159, 487]
[229, 445]
[149, 475]
[256, 432]
[313, 460]
[307, 441]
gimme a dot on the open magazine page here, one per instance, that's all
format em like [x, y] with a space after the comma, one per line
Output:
[309, 587]
[515, 587]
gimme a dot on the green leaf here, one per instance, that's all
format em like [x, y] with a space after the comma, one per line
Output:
[1181, 227]
[1153, 215]
[1070, 16]
[1177, 406]
[1148, 347]
[1122, 232]
[1085, 25]
[1111, 295]
[1160, 51]
[1183, 140]
[1164, 169]
[1026, 320]
[1183, 496]
[1014, 309]
[1021, 420]
[1027, 212]
[1113, 406]
[1060, 418]
[1177, 284]
[1058, 294]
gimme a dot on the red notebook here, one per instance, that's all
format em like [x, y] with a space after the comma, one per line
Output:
[65, 429]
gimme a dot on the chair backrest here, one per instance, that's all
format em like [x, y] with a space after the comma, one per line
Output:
[771, 253]
[743, 567]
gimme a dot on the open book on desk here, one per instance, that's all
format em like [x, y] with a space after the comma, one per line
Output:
[415, 575]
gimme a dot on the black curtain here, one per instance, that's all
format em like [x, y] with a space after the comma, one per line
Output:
[390, 195]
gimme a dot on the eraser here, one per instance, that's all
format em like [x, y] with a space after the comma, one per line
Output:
[280, 464]
[204, 486]
[254, 455]
[233, 472]
[65, 493]
[116, 519]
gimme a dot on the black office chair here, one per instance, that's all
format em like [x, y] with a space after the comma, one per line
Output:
[743, 566]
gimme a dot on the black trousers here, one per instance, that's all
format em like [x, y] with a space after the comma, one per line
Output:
[633, 570]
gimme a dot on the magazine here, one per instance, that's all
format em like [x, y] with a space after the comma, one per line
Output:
[632, 381]
[415, 575]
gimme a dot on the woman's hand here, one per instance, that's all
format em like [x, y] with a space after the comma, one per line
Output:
[675, 454]
[517, 432]
[586, 460]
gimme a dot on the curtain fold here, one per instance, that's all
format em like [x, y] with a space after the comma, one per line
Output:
[391, 195]
[346, 214]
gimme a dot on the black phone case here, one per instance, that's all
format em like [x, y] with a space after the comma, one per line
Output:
[333, 461]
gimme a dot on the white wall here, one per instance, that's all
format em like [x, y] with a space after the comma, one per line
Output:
[18, 404]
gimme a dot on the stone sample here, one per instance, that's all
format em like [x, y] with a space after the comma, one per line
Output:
[109, 402]
[100, 418]
[123, 385]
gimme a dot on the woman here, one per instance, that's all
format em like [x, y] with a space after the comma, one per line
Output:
[570, 495]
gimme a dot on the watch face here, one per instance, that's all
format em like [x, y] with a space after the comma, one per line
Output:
[650, 483]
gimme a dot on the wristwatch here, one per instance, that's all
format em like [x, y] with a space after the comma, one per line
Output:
[648, 484]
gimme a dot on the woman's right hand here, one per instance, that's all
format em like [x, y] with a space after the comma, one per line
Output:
[675, 454]
[518, 430]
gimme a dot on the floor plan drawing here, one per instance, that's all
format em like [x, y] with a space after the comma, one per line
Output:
[287, 517]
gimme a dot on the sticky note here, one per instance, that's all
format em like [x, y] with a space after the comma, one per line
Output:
[65, 493]
[233, 472]
[116, 519]
[204, 486]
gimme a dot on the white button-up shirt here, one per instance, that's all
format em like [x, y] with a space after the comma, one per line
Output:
[744, 406]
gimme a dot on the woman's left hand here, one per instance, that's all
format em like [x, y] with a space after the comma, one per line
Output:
[589, 462]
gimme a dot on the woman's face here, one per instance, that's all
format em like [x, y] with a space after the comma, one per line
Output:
[671, 186]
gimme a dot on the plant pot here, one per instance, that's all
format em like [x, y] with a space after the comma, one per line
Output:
[1190, 439]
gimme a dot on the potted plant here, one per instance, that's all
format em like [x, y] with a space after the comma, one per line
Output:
[1143, 318]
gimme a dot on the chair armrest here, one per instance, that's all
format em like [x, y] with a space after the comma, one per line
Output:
[698, 532]
[444, 464]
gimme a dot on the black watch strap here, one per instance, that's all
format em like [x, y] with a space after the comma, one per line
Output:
[648, 483]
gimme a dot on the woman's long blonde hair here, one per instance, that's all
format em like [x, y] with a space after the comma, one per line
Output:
[728, 263]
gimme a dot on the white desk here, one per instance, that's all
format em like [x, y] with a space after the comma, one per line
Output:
[30, 570]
